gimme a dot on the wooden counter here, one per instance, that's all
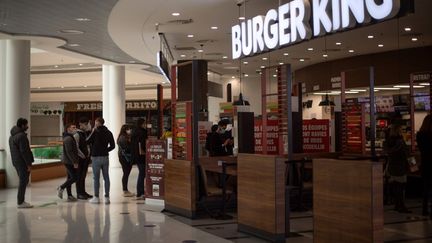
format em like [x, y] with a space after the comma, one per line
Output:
[180, 187]
[47, 171]
[261, 196]
[348, 201]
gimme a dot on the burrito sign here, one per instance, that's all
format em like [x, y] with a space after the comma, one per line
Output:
[290, 23]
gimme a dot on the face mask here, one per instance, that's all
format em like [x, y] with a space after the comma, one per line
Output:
[128, 132]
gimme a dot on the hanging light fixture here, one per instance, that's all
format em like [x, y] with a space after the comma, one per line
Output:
[240, 100]
[326, 102]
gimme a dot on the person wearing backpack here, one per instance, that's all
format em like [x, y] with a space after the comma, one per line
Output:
[125, 157]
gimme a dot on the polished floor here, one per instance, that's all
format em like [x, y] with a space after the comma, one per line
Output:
[126, 220]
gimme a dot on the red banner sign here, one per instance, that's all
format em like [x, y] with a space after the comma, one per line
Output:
[156, 153]
[316, 136]
[272, 137]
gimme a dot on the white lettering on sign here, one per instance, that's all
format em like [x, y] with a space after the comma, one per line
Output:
[290, 22]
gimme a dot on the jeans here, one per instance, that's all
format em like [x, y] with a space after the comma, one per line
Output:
[23, 175]
[82, 173]
[141, 177]
[100, 163]
[127, 168]
[71, 178]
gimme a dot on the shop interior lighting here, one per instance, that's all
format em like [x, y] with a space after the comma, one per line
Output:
[246, 75]
[83, 19]
[190, 36]
[425, 84]
[262, 66]
[351, 51]
[338, 43]
[386, 88]
[56, 66]
[358, 90]
[380, 45]
[241, 18]
[407, 86]
[264, 58]
[214, 28]
[245, 63]
[325, 55]
[80, 64]
[285, 54]
[414, 39]
[182, 55]
[200, 50]
[351, 92]
[281, 63]
[224, 57]
[407, 29]
[301, 60]
[232, 77]
[310, 49]
[175, 14]
[274, 75]
[370, 36]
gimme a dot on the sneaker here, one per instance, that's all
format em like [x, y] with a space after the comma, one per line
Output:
[25, 205]
[60, 192]
[72, 199]
[94, 200]
[140, 198]
[83, 197]
[128, 194]
[88, 195]
[107, 200]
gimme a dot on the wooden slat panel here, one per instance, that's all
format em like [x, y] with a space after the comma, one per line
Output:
[347, 202]
[180, 184]
[261, 193]
[49, 171]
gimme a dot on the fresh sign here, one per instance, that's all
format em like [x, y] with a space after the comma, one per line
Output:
[290, 23]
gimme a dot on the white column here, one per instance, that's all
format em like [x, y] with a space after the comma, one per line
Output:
[114, 107]
[3, 134]
[16, 69]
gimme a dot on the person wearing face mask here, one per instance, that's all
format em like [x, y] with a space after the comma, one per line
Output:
[84, 157]
[22, 158]
[125, 157]
[70, 160]
[226, 136]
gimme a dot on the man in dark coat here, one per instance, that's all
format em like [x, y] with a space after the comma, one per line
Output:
[70, 160]
[138, 150]
[84, 160]
[22, 158]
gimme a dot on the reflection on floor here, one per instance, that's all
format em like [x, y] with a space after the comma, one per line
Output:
[125, 220]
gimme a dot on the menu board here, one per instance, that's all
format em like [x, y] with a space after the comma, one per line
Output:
[316, 136]
[156, 153]
[272, 136]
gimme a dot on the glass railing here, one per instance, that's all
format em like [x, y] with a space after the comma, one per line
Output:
[44, 154]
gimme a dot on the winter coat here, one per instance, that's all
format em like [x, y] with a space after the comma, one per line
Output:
[214, 144]
[398, 153]
[83, 150]
[20, 148]
[424, 143]
[102, 142]
[70, 150]
[138, 143]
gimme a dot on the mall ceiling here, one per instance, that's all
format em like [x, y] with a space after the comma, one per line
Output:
[126, 31]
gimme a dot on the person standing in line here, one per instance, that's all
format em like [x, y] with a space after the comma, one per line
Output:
[102, 142]
[84, 157]
[70, 160]
[214, 144]
[22, 158]
[226, 136]
[424, 143]
[138, 148]
[397, 167]
[124, 154]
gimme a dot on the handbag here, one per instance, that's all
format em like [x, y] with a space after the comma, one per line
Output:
[413, 166]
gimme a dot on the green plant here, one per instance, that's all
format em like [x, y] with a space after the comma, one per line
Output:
[48, 152]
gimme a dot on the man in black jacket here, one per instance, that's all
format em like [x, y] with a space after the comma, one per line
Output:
[84, 157]
[138, 150]
[102, 142]
[70, 160]
[22, 158]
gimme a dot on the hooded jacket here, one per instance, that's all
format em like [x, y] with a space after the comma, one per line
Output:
[70, 150]
[102, 142]
[20, 147]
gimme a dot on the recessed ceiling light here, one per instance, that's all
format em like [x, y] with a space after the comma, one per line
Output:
[232, 77]
[285, 54]
[281, 63]
[245, 63]
[200, 50]
[274, 75]
[262, 66]
[73, 45]
[71, 32]
[370, 36]
[310, 49]
[414, 39]
[80, 64]
[325, 55]
[182, 55]
[351, 51]
[85, 86]
[246, 75]
[62, 87]
[175, 14]
[264, 58]
[380, 45]
[190, 36]
[224, 57]
[83, 19]
[214, 28]
[301, 60]
[56, 66]
[241, 18]
[407, 29]
[338, 43]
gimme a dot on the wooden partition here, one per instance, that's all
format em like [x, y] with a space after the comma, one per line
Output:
[47, 171]
[348, 201]
[261, 196]
[180, 187]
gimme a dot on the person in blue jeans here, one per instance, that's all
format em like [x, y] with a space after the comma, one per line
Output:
[102, 142]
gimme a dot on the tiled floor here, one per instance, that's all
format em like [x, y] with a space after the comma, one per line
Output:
[125, 220]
